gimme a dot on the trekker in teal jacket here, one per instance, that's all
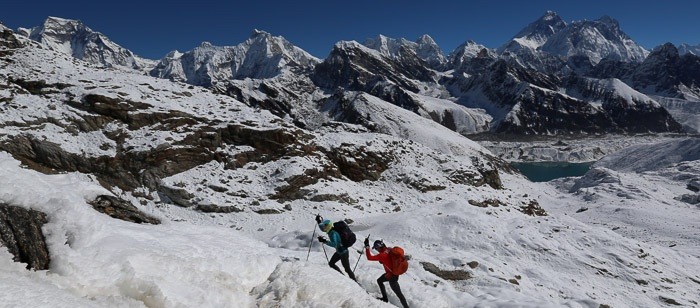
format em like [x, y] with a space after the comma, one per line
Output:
[341, 252]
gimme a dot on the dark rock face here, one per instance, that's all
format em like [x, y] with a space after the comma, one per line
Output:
[623, 111]
[8, 39]
[688, 198]
[278, 106]
[121, 209]
[546, 112]
[610, 68]
[694, 185]
[355, 68]
[664, 71]
[345, 110]
[20, 233]
[629, 118]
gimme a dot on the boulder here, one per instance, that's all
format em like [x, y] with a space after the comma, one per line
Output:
[446, 274]
[121, 209]
[20, 233]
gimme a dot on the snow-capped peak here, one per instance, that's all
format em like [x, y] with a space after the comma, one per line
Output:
[262, 55]
[469, 49]
[424, 47]
[57, 33]
[206, 44]
[686, 48]
[549, 15]
[425, 39]
[606, 19]
[257, 32]
[387, 46]
[595, 39]
[536, 33]
[73, 38]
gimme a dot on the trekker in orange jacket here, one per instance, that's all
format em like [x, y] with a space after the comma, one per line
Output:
[384, 259]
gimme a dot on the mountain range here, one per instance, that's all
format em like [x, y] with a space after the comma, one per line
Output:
[194, 180]
[540, 82]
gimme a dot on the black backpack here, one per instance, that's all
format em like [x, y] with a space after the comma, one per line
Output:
[347, 237]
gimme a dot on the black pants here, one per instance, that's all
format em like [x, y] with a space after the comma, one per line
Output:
[394, 284]
[345, 260]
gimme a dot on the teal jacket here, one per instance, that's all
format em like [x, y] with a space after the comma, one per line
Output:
[335, 242]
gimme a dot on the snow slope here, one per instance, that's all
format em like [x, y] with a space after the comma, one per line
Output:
[550, 261]
[638, 191]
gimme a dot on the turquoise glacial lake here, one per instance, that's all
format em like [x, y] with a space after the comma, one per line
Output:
[547, 171]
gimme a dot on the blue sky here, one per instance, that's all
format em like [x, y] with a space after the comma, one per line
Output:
[153, 28]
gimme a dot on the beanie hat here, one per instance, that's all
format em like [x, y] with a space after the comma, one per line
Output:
[378, 244]
[326, 226]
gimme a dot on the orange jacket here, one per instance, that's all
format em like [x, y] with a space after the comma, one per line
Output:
[383, 258]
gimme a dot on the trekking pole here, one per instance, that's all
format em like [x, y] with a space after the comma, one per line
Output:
[311, 242]
[360, 257]
[324, 252]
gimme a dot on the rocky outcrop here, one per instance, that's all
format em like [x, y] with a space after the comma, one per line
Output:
[533, 208]
[446, 274]
[295, 184]
[213, 208]
[486, 203]
[8, 39]
[694, 185]
[688, 198]
[176, 195]
[121, 209]
[21, 234]
[359, 164]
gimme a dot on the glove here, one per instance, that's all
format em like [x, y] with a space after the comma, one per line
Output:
[322, 239]
[319, 219]
[366, 243]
